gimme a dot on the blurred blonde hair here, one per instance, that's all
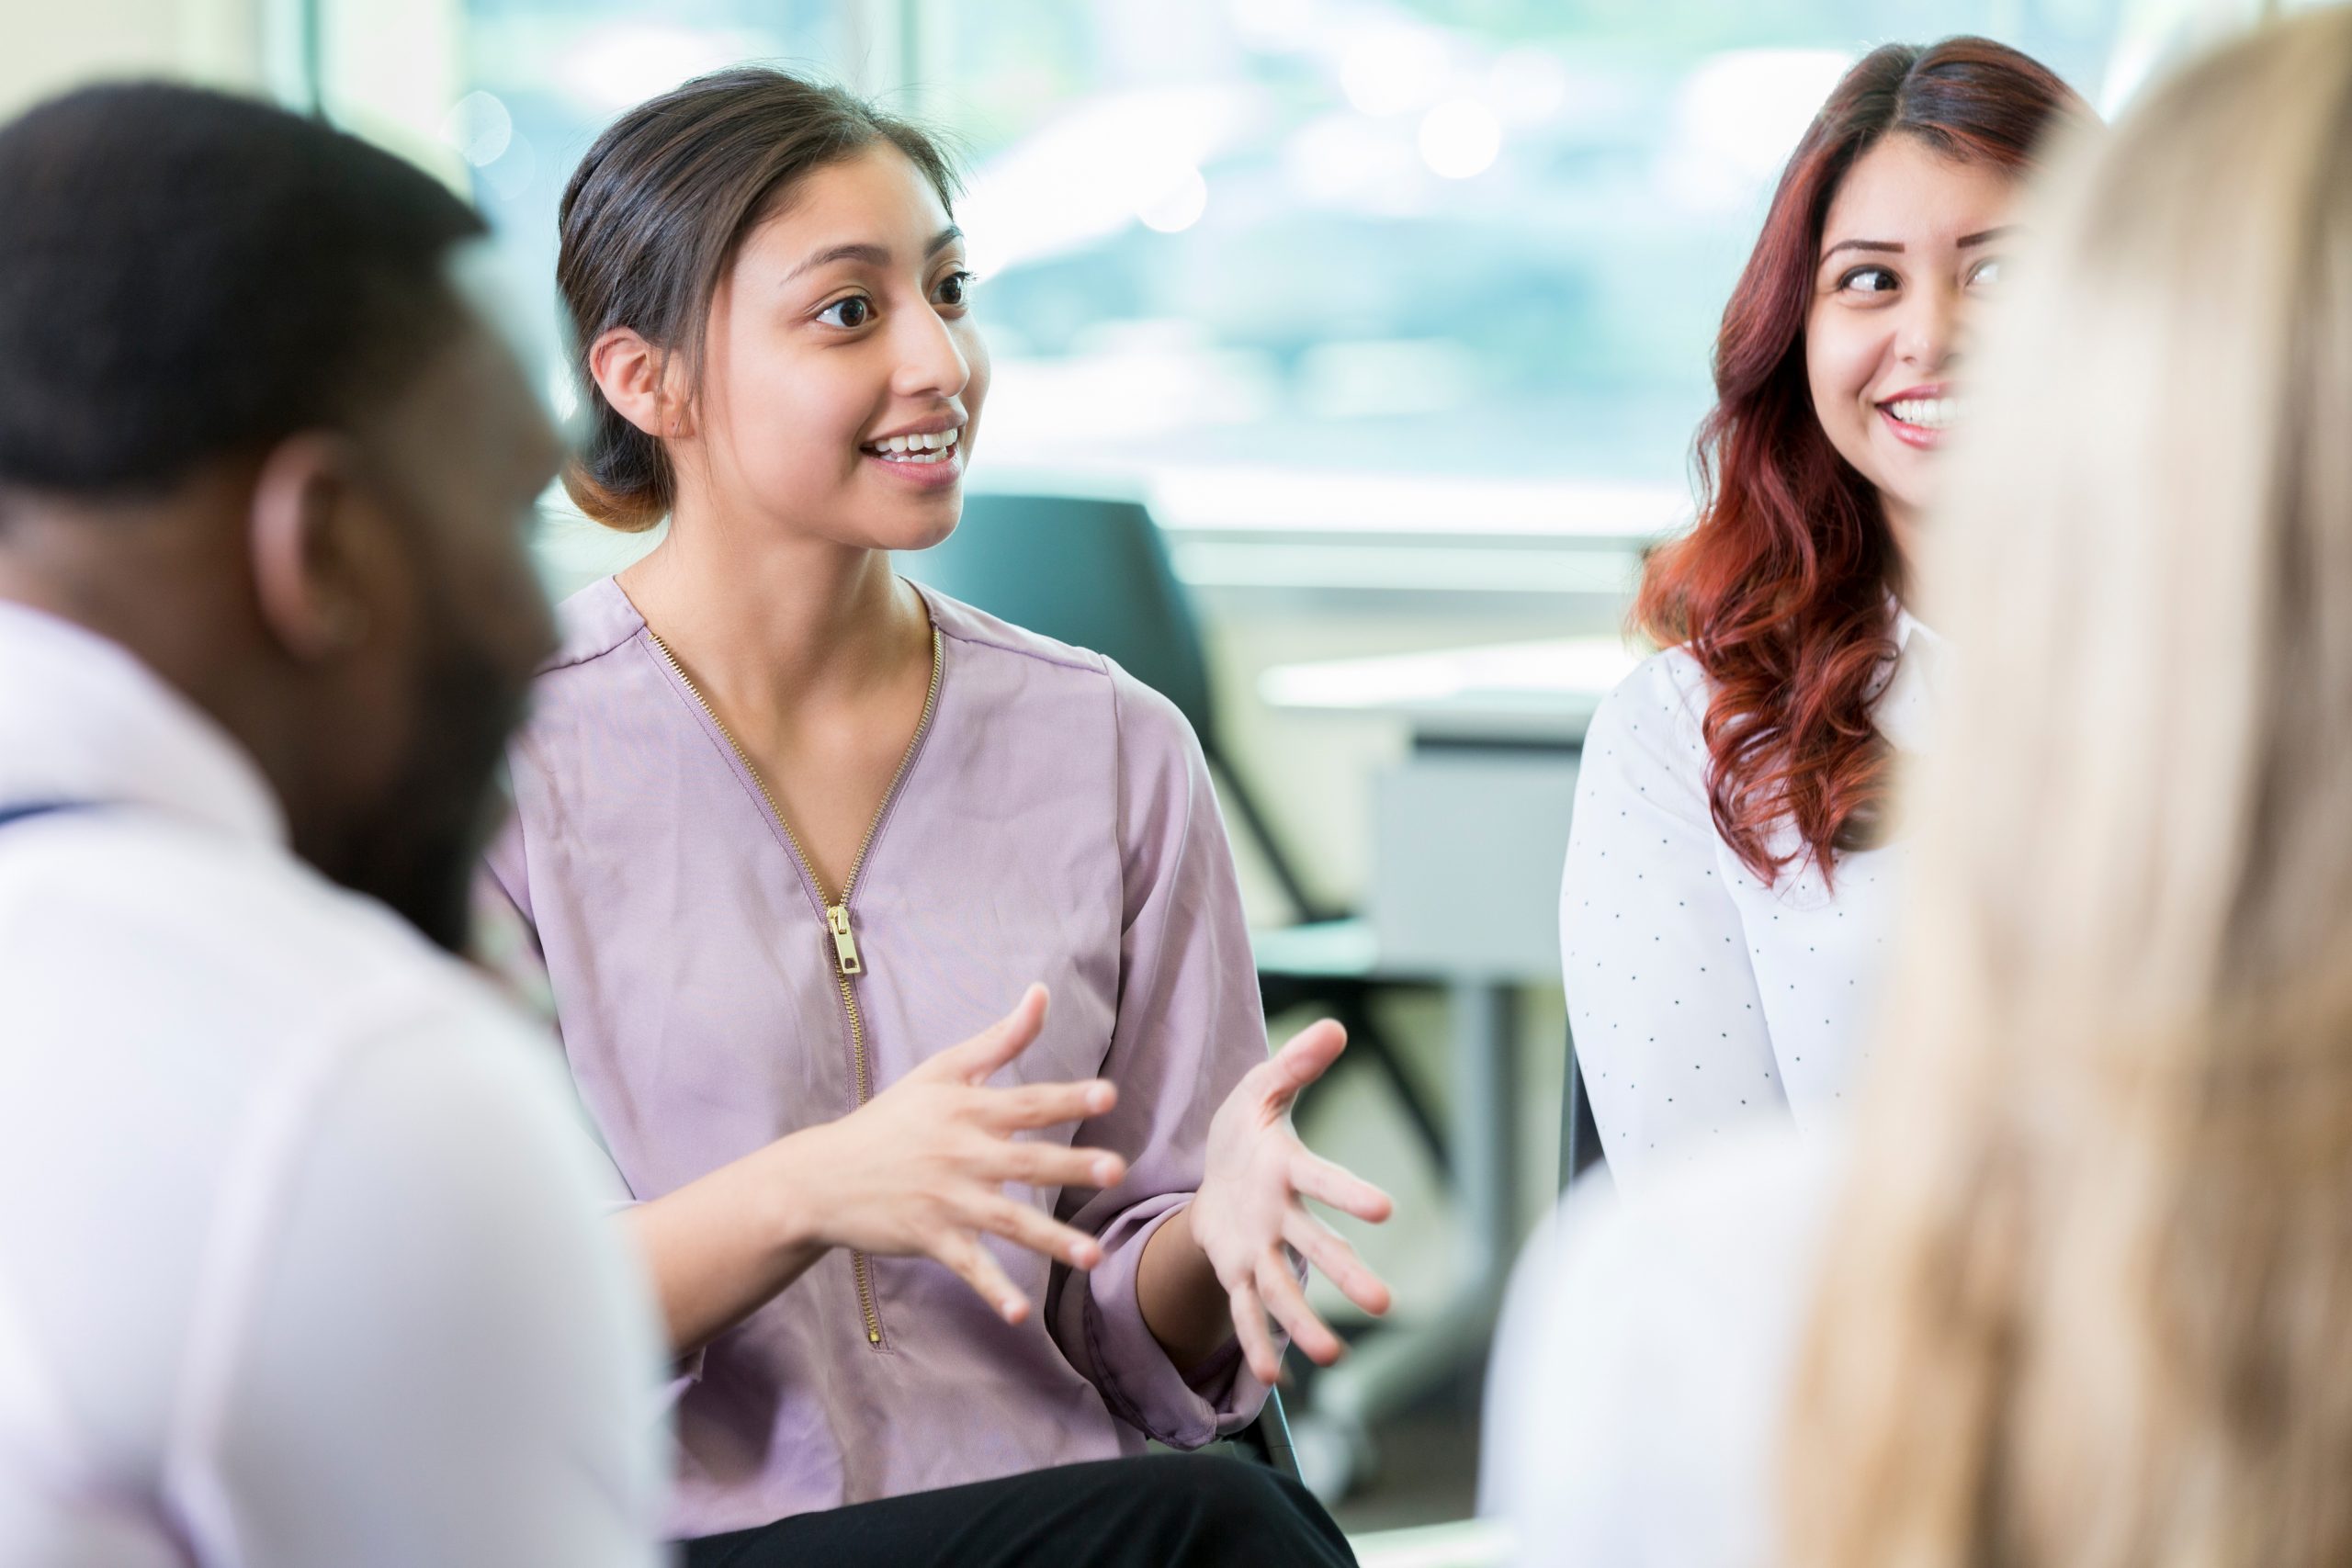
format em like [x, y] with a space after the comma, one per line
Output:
[2087, 1299]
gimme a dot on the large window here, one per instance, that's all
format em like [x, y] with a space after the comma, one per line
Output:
[1359, 239]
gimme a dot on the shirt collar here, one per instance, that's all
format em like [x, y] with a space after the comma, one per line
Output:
[1906, 708]
[82, 720]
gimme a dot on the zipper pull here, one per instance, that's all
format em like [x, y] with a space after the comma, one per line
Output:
[845, 942]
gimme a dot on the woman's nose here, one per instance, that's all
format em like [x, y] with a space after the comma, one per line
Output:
[1931, 329]
[930, 362]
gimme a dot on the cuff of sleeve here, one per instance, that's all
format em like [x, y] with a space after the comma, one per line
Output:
[1102, 1329]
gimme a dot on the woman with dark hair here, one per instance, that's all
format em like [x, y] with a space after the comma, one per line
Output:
[1726, 897]
[788, 824]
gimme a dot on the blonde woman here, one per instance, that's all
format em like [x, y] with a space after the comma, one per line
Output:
[2081, 1294]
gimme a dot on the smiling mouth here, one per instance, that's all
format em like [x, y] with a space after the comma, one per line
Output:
[1923, 413]
[917, 449]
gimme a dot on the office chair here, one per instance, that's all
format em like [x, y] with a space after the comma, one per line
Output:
[1579, 1135]
[1096, 575]
[1267, 1439]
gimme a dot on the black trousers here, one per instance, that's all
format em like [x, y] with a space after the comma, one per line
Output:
[1158, 1511]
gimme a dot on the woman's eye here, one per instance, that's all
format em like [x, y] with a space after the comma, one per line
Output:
[854, 311]
[956, 289]
[1988, 273]
[1868, 280]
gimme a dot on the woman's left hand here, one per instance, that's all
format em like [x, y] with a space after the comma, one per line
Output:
[1251, 1209]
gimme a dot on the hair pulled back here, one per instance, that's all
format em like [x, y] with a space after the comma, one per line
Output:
[651, 219]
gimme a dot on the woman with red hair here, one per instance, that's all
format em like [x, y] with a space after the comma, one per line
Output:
[1726, 897]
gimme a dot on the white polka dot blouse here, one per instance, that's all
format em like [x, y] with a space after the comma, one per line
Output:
[1700, 997]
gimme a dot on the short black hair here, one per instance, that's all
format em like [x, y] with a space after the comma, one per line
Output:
[187, 277]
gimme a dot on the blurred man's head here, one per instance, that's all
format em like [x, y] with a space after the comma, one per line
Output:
[249, 429]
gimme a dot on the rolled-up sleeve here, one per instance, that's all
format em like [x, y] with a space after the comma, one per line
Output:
[1189, 1026]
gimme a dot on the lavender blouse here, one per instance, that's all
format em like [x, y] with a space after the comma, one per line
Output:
[1055, 822]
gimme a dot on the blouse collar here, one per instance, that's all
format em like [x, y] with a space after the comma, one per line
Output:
[1906, 708]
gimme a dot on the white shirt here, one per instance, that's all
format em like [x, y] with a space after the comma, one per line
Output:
[301, 1257]
[1641, 1373]
[1700, 997]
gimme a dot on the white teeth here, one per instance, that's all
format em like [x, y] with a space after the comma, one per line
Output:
[919, 447]
[1928, 413]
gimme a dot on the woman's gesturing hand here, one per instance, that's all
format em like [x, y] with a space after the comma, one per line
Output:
[920, 1168]
[1251, 1206]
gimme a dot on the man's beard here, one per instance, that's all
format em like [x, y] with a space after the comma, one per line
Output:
[420, 850]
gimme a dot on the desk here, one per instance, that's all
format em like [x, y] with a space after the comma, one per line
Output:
[1470, 832]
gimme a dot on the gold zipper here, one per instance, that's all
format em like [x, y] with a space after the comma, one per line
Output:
[847, 962]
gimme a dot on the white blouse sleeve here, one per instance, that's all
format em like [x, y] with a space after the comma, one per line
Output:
[1662, 997]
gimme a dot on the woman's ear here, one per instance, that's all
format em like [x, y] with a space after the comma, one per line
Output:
[638, 381]
[316, 560]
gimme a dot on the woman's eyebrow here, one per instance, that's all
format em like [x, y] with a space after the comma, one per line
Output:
[857, 251]
[1981, 236]
[869, 252]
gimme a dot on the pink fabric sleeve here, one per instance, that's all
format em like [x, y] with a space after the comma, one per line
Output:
[506, 942]
[506, 934]
[1189, 1026]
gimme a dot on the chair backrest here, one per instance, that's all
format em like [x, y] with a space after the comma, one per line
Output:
[1092, 573]
[1579, 1133]
[1267, 1438]
[1097, 574]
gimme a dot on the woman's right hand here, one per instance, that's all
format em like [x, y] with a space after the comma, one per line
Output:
[920, 1169]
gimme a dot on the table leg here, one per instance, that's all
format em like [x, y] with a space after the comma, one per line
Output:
[1391, 1367]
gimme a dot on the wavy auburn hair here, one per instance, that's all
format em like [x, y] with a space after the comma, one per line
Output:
[1781, 590]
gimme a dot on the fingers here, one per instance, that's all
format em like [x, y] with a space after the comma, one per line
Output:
[1026, 1226]
[1050, 1165]
[1046, 1104]
[1339, 1263]
[975, 1267]
[992, 1047]
[1249, 1328]
[1279, 1289]
[1343, 1190]
[1304, 1057]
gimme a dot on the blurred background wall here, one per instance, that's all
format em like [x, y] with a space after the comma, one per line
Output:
[51, 47]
